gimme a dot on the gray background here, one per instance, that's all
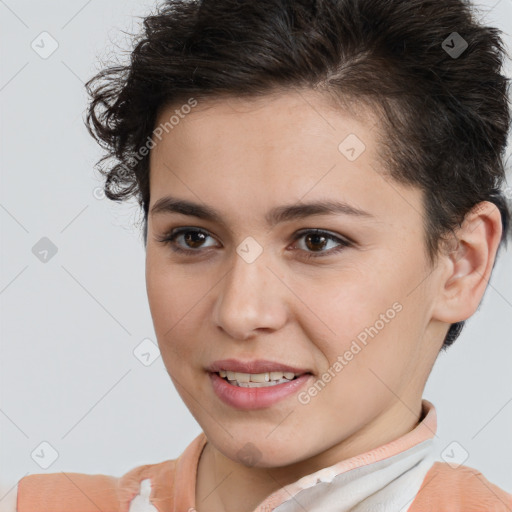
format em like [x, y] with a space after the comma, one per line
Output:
[69, 326]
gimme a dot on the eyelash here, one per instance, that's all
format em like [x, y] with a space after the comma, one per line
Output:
[169, 238]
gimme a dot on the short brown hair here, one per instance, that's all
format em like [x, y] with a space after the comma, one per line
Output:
[431, 71]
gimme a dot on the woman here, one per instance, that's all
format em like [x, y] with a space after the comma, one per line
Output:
[321, 188]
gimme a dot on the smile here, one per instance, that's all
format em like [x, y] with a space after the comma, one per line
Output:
[257, 380]
[256, 395]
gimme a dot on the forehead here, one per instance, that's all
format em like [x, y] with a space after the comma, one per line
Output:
[274, 150]
[267, 136]
[286, 114]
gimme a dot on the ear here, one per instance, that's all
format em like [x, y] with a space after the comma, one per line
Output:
[468, 264]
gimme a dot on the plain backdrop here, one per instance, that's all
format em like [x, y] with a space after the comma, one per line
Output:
[73, 395]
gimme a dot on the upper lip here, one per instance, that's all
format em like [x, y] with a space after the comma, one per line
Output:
[255, 366]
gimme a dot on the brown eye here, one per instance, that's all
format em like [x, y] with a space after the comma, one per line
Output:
[316, 240]
[193, 240]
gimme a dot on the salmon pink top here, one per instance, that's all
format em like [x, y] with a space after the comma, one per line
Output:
[400, 476]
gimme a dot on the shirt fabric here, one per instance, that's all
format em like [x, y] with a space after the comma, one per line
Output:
[400, 476]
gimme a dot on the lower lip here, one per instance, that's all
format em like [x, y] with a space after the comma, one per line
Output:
[255, 398]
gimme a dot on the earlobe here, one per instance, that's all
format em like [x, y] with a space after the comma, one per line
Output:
[470, 263]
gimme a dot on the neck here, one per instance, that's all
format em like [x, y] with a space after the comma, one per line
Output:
[224, 485]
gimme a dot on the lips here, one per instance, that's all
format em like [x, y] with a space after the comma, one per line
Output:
[255, 366]
[250, 399]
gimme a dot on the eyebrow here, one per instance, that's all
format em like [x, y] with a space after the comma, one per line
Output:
[275, 216]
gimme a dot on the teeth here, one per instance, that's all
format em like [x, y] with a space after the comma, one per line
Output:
[259, 379]
[258, 384]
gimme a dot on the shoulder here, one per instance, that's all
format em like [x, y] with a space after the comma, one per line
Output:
[80, 492]
[449, 489]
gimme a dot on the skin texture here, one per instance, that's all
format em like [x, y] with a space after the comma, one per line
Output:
[242, 158]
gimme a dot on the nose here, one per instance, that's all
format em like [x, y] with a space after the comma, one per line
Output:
[251, 298]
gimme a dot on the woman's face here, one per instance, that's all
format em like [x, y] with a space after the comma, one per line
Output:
[261, 286]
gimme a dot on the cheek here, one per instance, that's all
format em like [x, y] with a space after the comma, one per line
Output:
[169, 287]
[366, 315]
[347, 303]
[366, 359]
[171, 302]
[379, 348]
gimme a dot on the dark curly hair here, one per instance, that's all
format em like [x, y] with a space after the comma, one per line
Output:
[428, 69]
